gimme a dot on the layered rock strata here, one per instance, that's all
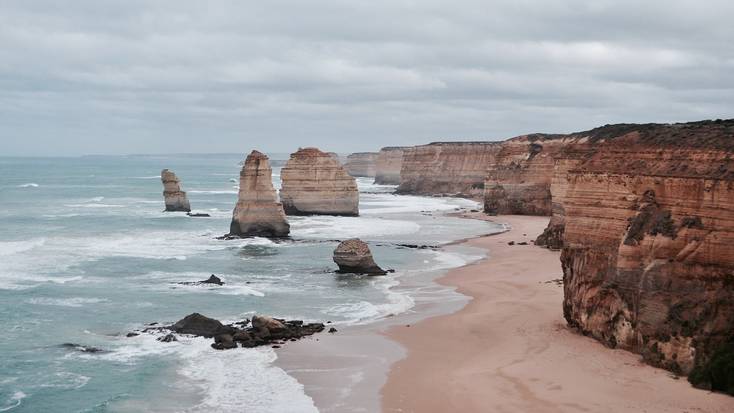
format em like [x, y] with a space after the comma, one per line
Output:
[388, 165]
[649, 226]
[354, 256]
[447, 168]
[314, 183]
[362, 164]
[258, 212]
[174, 198]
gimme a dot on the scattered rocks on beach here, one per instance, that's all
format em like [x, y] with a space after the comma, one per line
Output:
[354, 256]
[174, 198]
[262, 330]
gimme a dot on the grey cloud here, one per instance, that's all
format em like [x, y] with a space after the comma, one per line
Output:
[120, 77]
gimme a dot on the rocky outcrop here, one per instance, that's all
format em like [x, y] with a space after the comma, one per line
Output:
[314, 183]
[519, 180]
[447, 168]
[388, 165]
[647, 259]
[354, 256]
[361, 164]
[174, 198]
[258, 212]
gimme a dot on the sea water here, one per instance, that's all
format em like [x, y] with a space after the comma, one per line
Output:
[87, 254]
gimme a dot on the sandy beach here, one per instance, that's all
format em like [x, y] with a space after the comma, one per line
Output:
[509, 350]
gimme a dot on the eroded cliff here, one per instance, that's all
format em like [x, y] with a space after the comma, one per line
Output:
[388, 164]
[361, 164]
[647, 256]
[447, 168]
[314, 183]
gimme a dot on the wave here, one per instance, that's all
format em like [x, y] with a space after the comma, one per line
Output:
[328, 227]
[29, 185]
[14, 401]
[93, 205]
[65, 302]
[212, 192]
[146, 177]
[14, 247]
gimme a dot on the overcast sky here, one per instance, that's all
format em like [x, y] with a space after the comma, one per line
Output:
[138, 76]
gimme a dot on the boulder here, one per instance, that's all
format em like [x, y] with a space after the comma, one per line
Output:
[354, 256]
[174, 198]
[199, 325]
[258, 212]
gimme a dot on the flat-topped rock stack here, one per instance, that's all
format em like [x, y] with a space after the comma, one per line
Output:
[388, 164]
[361, 164]
[258, 212]
[174, 198]
[314, 183]
[354, 256]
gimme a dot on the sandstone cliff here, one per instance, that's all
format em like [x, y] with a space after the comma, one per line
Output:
[648, 260]
[258, 212]
[361, 164]
[174, 198]
[388, 165]
[447, 168]
[314, 183]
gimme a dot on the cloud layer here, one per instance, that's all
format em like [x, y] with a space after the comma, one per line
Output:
[226, 76]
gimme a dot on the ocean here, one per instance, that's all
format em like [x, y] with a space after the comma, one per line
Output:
[87, 254]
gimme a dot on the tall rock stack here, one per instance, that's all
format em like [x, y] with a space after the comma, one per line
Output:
[388, 165]
[314, 183]
[258, 212]
[174, 198]
[447, 168]
[648, 262]
[361, 164]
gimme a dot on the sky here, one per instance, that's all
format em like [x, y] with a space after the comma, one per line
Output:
[138, 76]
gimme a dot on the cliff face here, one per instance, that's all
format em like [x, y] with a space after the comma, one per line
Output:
[648, 260]
[174, 198]
[450, 168]
[315, 183]
[519, 180]
[388, 165]
[258, 212]
[361, 164]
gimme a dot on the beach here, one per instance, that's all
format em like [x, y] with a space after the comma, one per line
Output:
[509, 349]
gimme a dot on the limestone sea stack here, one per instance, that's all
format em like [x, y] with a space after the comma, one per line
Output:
[314, 183]
[388, 165]
[361, 164]
[258, 212]
[354, 256]
[174, 198]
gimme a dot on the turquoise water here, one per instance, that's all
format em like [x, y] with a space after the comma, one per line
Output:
[86, 255]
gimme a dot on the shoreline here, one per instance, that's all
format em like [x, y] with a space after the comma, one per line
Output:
[509, 349]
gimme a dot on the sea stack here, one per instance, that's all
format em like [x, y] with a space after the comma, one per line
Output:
[173, 196]
[314, 183]
[258, 212]
[361, 164]
[388, 164]
[354, 256]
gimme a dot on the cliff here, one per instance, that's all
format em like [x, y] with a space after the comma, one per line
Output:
[258, 212]
[361, 164]
[174, 198]
[388, 165]
[448, 168]
[647, 253]
[314, 183]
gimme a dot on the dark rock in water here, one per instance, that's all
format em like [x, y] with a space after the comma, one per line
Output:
[83, 349]
[223, 342]
[333, 330]
[132, 335]
[199, 325]
[354, 256]
[198, 215]
[213, 279]
[167, 338]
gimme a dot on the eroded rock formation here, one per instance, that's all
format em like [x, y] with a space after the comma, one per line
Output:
[361, 164]
[258, 212]
[314, 183]
[388, 165]
[354, 256]
[174, 198]
[648, 260]
[447, 168]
